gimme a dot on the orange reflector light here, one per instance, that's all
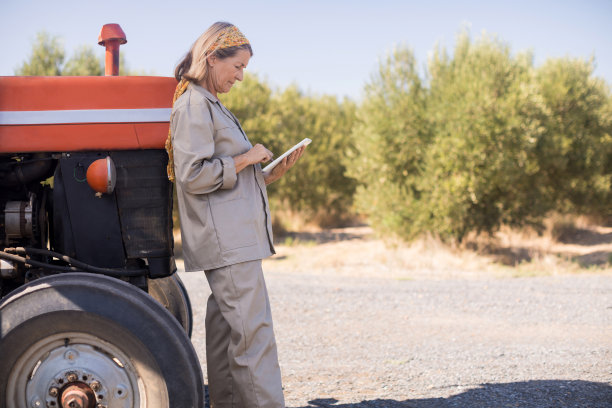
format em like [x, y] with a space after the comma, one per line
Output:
[102, 176]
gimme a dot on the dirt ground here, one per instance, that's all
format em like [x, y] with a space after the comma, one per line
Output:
[520, 321]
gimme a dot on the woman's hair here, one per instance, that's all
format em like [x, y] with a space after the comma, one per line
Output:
[194, 66]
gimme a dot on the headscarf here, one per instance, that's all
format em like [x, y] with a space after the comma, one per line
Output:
[228, 37]
[180, 89]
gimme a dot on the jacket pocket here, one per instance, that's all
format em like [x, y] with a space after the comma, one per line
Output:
[234, 224]
[230, 142]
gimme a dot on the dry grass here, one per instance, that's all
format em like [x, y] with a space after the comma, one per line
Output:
[565, 246]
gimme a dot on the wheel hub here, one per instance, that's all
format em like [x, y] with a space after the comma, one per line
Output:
[78, 371]
[78, 395]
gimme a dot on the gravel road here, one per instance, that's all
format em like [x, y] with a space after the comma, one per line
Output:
[362, 341]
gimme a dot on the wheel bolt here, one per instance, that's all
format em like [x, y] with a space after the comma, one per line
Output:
[121, 392]
[71, 377]
[71, 355]
[53, 391]
[95, 385]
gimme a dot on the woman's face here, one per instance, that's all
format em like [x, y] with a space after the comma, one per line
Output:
[228, 70]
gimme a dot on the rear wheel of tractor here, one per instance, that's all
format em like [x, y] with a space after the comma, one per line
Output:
[172, 295]
[90, 339]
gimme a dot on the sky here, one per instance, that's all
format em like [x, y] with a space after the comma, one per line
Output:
[325, 47]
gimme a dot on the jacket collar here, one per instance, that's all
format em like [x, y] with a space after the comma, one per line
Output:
[208, 95]
[205, 92]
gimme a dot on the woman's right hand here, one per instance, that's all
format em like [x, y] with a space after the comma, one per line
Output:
[257, 154]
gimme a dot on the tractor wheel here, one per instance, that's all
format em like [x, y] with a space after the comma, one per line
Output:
[88, 340]
[171, 293]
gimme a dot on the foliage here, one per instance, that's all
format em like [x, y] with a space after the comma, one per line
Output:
[390, 140]
[84, 62]
[486, 140]
[48, 58]
[575, 152]
[316, 187]
[481, 169]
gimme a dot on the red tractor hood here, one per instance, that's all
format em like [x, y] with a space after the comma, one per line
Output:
[62, 114]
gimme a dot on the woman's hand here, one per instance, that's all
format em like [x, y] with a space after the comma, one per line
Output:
[257, 154]
[283, 166]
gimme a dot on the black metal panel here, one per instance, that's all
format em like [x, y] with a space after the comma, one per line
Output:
[144, 197]
[62, 240]
[160, 267]
[94, 221]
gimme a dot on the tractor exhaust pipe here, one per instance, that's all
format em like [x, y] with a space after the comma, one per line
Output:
[111, 36]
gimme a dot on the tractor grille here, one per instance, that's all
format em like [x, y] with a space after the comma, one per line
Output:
[144, 198]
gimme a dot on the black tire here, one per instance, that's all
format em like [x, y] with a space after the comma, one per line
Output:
[172, 295]
[100, 329]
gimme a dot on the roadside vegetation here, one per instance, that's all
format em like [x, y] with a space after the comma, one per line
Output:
[478, 146]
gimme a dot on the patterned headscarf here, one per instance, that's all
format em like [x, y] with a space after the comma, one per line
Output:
[180, 89]
[228, 37]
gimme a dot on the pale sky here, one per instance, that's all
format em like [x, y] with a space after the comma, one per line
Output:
[326, 47]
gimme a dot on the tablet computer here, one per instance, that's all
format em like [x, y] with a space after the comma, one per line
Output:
[275, 163]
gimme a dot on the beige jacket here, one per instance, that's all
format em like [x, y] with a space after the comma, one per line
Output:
[225, 217]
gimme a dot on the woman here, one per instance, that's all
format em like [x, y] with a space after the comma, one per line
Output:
[225, 219]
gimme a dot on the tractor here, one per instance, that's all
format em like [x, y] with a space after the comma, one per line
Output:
[92, 313]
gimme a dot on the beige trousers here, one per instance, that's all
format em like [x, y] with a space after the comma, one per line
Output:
[242, 360]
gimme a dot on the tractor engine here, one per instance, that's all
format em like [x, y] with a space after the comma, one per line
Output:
[24, 201]
[47, 201]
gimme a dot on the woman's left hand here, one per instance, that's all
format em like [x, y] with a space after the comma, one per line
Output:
[283, 166]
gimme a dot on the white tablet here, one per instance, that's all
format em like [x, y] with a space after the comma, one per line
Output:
[272, 165]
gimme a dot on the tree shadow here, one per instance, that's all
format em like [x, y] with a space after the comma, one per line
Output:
[320, 237]
[516, 255]
[583, 236]
[511, 256]
[597, 258]
[535, 394]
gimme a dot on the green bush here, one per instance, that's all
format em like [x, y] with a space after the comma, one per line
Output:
[390, 139]
[575, 152]
[316, 187]
[484, 140]
[481, 169]
[48, 59]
